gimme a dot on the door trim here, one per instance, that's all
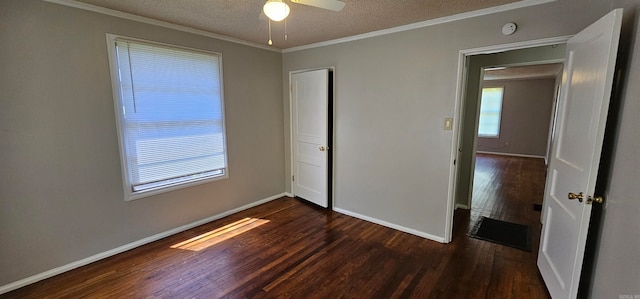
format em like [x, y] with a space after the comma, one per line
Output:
[331, 166]
[459, 108]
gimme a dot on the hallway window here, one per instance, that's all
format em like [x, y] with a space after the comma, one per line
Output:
[490, 112]
[170, 115]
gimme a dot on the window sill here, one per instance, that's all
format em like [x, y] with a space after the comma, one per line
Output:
[129, 196]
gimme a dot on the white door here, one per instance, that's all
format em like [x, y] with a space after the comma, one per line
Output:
[573, 167]
[310, 96]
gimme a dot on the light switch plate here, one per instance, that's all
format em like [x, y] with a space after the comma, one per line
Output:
[448, 123]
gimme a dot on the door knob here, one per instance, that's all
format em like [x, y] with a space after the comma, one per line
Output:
[597, 199]
[322, 148]
[576, 196]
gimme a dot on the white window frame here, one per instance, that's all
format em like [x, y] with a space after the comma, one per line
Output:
[499, 116]
[129, 194]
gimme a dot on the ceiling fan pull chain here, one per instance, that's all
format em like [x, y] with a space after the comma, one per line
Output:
[285, 29]
[270, 42]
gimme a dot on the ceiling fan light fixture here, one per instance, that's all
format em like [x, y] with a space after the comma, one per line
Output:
[276, 10]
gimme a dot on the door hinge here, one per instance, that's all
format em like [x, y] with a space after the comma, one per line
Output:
[293, 178]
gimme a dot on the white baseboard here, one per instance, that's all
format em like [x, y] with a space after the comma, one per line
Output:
[287, 194]
[510, 154]
[59, 270]
[461, 206]
[391, 225]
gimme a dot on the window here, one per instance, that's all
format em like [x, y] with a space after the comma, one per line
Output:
[490, 112]
[169, 108]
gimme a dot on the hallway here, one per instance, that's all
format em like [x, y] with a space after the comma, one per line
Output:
[506, 188]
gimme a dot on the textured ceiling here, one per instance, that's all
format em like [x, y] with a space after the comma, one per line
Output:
[524, 72]
[305, 25]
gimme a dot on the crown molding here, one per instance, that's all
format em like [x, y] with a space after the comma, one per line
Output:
[422, 24]
[132, 17]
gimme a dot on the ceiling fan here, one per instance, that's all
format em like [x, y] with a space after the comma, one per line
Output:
[278, 10]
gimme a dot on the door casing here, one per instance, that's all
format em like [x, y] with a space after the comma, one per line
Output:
[463, 58]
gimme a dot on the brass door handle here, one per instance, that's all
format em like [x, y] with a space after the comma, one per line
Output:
[597, 199]
[576, 196]
[321, 148]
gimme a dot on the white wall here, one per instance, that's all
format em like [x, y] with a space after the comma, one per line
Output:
[61, 197]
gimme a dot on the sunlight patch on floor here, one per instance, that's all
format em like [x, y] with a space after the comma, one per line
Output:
[220, 234]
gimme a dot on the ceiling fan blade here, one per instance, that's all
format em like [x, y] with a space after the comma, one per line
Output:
[334, 5]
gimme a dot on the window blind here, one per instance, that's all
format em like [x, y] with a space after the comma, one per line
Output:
[172, 110]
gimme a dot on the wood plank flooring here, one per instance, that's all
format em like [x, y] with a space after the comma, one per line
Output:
[506, 188]
[289, 249]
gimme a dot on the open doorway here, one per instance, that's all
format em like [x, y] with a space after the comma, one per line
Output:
[471, 67]
[507, 160]
[576, 148]
[500, 65]
[515, 122]
[511, 164]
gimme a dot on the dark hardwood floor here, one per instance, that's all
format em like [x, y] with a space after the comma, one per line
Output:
[289, 249]
[506, 188]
